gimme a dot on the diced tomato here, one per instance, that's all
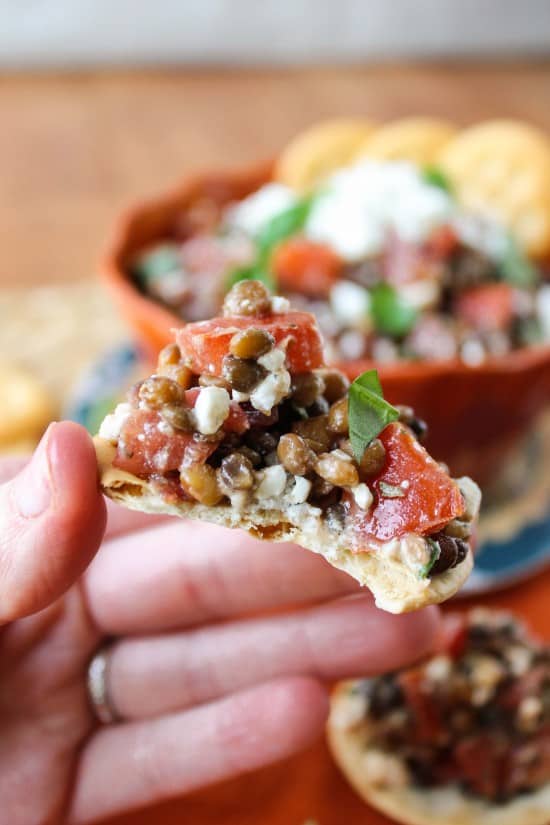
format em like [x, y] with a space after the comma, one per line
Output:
[441, 243]
[487, 307]
[144, 449]
[307, 267]
[428, 725]
[481, 761]
[205, 343]
[453, 635]
[236, 422]
[429, 500]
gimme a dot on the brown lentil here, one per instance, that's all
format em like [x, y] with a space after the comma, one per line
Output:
[261, 441]
[337, 470]
[169, 356]
[158, 390]
[338, 417]
[336, 385]
[295, 455]
[179, 417]
[323, 492]
[315, 431]
[206, 380]
[235, 473]
[251, 343]
[417, 425]
[242, 375]
[249, 298]
[373, 459]
[179, 373]
[458, 529]
[199, 480]
[306, 388]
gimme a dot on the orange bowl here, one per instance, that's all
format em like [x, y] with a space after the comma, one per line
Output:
[476, 414]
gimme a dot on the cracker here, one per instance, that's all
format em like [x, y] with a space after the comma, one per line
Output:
[502, 168]
[417, 139]
[316, 152]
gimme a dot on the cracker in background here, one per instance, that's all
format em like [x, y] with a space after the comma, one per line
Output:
[502, 168]
[316, 152]
[416, 139]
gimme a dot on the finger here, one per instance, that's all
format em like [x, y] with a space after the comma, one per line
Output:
[52, 518]
[141, 763]
[182, 573]
[350, 637]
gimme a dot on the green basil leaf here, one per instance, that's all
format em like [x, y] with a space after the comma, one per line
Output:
[282, 226]
[251, 273]
[436, 177]
[368, 412]
[516, 268]
[156, 263]
[391, 314]
[391, 490]
[424, 571]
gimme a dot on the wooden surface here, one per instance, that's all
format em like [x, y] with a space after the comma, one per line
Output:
[74, 149]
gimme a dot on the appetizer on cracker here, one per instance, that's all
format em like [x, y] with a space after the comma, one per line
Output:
[243, 425]
[463, 739]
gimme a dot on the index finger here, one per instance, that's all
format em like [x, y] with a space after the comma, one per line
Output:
[183, 573]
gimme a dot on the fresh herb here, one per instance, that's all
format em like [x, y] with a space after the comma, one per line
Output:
[515, 267]
[368, 412]
[276, 230]
[160, 261]
[436, 177]
[391, 490]
[435, 553]
[392, 315]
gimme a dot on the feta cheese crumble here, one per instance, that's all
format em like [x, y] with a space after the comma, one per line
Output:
[279, 305]
[271, 391]
[300, 491]
[253, 213]
[362, 495]
[112, 424]
[351, 304]
[211, 409]
[272, 482]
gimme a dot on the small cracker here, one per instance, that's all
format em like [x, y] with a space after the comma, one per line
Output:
[316, 152]
[416, 139]
[502, 168]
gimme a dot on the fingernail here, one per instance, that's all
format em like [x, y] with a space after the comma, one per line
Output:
[33, 486]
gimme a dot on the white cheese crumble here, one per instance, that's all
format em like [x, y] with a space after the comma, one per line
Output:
[271, 391]
[253, 213]
[365, 201]
[472, 352]
[274, 360]
[211, 409]
[279, 305]
[240, 397]
[351, 304]
[112, 424]
[362, 495]
[272, 482]
[300, 491]
[421, 294]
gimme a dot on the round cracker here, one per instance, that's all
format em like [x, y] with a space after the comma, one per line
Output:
[26, 406]
[502, 168]
[417, 139]
[395, 587]
[316, 152]
[349, 742]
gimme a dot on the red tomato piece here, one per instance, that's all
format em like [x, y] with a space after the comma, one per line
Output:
[205, 344]
[143, 449]
[430, 497]
[428, 724]
[442, 242]
[304, 266]
[481, 761]
[487, 307]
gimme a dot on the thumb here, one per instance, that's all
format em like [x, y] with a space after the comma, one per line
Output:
[52, 519]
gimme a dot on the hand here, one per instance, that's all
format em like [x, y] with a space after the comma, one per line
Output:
[207, 681]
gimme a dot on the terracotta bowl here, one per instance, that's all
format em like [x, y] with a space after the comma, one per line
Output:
[476, 414]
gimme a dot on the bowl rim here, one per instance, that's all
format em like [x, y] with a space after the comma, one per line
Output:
[117, 280]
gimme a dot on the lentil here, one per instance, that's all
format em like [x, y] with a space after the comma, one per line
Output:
[306, 388]
[417, 425]
[458, 529]
[169, 356]
[179, 417]
[338, 417]
[374, 459]
[158, 390]
[235, 473]
[249, 298]
[452, 552]
[336, 470]
[251, 343]
[206, 380]
[336, 385]
[315, 431]
[295, 455]
[261, 441]
[199, 480]
[242, 375]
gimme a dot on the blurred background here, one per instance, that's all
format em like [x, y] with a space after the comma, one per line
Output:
[104, 104]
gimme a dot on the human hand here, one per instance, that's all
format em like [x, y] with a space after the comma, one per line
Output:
[207, 674]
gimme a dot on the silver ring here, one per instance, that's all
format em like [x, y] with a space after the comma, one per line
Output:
[98, 691]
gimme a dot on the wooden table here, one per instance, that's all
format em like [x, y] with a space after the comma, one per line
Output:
[74, 149]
